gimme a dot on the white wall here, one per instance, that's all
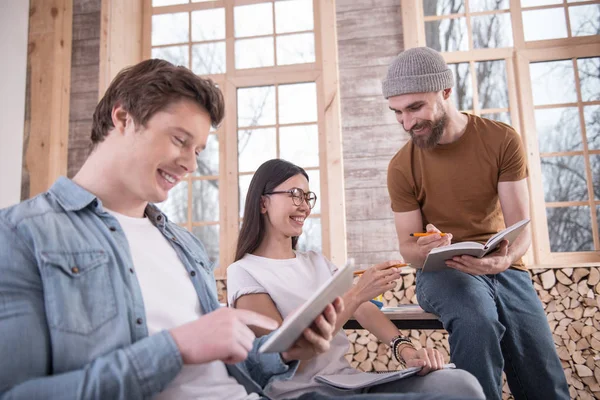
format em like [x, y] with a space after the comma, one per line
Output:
[14, 19]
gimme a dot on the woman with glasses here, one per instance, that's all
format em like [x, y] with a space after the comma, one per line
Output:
[271, 277]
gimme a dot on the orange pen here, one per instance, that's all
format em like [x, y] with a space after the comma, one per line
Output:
[422, 234]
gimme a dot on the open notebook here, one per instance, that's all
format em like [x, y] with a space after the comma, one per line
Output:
[368, 379]
[436, 258]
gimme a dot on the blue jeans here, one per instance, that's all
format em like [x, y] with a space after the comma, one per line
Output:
[496, 323]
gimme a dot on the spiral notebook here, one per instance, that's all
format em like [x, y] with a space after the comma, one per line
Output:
[368, 379]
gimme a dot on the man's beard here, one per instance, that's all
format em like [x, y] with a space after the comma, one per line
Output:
[436, 128]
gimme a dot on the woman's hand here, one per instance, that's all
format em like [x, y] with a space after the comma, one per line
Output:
[428, 359]
[317, 338]
[376, 280]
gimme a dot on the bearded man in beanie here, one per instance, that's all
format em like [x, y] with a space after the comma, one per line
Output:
[465, 176]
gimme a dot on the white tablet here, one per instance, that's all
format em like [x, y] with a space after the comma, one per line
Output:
[291, 329]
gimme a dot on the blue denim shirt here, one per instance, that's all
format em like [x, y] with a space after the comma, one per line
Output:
[72, 319]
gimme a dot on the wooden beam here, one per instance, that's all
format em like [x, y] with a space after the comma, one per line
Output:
[228, 196]
[120, 37]
[414, 28]
[228, 166]
[330, 134]
[50, 39]
[580, 49]
[540, 243]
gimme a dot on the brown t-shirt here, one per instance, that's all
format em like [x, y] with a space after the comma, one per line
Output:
[456, 185]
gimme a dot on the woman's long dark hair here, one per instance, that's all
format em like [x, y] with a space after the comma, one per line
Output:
[268, 176]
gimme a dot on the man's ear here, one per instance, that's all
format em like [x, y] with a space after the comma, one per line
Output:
[119, 118]
[446, 93]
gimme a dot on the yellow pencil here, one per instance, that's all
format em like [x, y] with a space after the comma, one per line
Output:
[422, 234]
[362, 271]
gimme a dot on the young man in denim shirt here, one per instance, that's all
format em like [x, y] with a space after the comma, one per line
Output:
[101, 297]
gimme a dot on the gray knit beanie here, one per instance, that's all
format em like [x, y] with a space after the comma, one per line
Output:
[417, 70]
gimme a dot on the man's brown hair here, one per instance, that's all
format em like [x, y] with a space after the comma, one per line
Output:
[149, 87]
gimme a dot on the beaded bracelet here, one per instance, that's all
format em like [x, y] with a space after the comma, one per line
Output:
[395, 345]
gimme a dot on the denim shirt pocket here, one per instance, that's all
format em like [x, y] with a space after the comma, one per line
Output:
[78, 290]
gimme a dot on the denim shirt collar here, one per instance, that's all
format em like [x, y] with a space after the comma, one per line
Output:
[70, 195]
[157, 217]
[73, 197]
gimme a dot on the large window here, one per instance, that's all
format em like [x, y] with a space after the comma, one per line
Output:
[567, 119]
[534, 64]
[272, 61]
[281, 122]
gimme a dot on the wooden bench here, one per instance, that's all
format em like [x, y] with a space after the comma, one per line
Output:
[405, 316]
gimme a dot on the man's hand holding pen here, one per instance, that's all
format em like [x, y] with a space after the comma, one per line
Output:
[432, 239]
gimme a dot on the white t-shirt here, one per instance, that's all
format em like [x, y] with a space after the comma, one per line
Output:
[170, 300]
[290, 283]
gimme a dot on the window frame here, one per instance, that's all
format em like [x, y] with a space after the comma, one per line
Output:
[324, 72]
[521, 108]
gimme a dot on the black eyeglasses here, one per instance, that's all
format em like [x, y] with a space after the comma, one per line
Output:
[298, 196]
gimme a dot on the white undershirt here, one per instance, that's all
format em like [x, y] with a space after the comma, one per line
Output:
[170, 300]
[290, 283]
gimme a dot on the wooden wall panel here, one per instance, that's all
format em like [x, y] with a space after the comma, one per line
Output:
[370, 51]
[353, 5]
[369, 37]
[374, 141]
[367, 204]
[366, 111]
[83, 106]
[86, 6]
[372, 235]
[360, 81]
[79, 134]
[86, 25]
[86, 52]
[373, 23]
[84, 79]
[87, 66]
[366, 173]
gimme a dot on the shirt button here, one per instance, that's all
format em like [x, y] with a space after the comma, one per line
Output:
[75, 270]
[131, 270]
[174, 238]
[139, 321]
[193, 273]
[159, 218]
[112, 229]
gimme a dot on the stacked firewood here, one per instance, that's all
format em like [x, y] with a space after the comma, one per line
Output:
[571, 298]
